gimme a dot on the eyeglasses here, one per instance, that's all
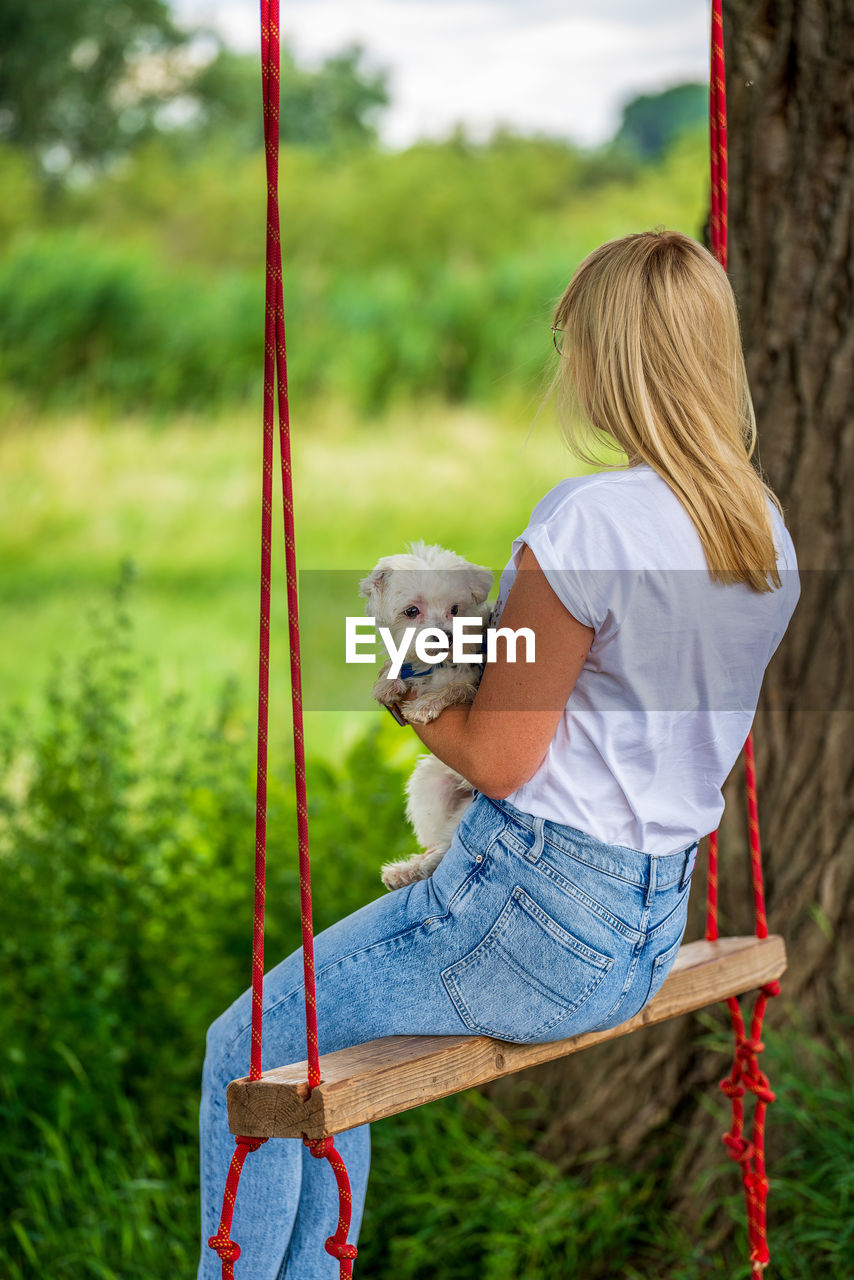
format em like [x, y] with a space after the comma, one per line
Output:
[557, 341]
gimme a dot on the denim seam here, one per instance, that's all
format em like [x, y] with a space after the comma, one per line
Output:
[478, 1027]
[381, 942]
[419, 924]
[665, 959]
[668, 919]
[527, 903]
[516, 845]
[394, 937]
[492, 939]
[665, 956]
[497, 835]
[522, 900]
[579, 895]
[540, 987]
[633, 965]
[595, 982]
[524, 848]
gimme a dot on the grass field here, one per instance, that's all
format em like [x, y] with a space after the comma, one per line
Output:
[82, 497]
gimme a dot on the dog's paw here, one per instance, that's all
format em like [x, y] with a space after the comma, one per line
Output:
[458, 695]
[388, 691]
[419, 710]
[420, 866]
[426, 708]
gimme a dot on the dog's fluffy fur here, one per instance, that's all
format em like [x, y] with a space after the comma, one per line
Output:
[439, 585]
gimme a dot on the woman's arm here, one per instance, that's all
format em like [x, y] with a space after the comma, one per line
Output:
[499, 742]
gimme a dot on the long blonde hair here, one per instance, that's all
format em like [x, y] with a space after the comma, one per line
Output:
[651, 358]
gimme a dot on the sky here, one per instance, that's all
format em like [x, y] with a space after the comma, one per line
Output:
[563, 67]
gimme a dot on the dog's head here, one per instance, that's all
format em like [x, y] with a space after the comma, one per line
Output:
[424, 587]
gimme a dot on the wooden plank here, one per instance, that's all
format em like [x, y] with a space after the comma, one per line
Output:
[384, 1077]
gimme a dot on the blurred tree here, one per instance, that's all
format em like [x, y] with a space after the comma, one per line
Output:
[652, 121]
[337, 104]
[80, 81]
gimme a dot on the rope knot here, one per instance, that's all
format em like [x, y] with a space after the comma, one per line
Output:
[771, 989]
[749, 1047]
[739, 1148]
[340, 1249]
[732, 1088]
[756, 1182]
[760, 1088]
[251, 1144]
[228, 1250]
[320, 1147]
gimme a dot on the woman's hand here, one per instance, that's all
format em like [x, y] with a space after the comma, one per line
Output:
[499, 742]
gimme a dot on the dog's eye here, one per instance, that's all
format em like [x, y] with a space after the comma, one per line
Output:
[455, 608]
[411, 611]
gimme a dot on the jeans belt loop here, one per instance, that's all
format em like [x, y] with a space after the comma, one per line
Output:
[539, 840]
[650, 888]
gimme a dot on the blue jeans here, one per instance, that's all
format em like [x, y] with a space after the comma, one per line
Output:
[527, 931]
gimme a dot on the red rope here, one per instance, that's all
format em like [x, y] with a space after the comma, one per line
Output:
[717, 138]
[746, 1075]
[276, 395]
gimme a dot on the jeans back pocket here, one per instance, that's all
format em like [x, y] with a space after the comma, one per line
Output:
[527, 975]
[661, 966]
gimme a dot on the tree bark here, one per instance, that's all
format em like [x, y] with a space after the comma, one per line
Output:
[790, 70]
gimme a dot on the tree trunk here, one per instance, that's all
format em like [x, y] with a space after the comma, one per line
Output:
[791, 183]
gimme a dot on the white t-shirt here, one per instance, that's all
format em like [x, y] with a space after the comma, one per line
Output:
[668, 691]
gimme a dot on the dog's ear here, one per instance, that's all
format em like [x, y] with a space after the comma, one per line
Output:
[479, 583]
[372, 586]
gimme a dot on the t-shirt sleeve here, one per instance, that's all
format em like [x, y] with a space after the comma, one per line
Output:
[790, 584]
[578, 550]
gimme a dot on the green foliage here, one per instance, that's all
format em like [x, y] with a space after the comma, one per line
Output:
[125, 852]
[653, 121]
[475, 1200]
[82, 319]
[424, 273]
[114, 1205]
[125, 842]
[812, 1151]
[20, 202]
[73, 76]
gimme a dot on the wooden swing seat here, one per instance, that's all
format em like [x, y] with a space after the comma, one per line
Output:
[383, 1077]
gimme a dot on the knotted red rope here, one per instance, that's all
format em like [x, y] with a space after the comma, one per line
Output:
[746, 1075]
[276, 395]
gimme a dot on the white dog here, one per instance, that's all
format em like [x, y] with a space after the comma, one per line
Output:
[426, 589]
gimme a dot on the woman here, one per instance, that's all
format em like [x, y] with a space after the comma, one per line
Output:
[658, 592]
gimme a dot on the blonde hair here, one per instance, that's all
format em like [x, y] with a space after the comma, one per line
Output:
[651, 358]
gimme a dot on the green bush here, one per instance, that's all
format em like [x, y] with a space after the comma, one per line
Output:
[429, 272]
[126, 837]
[82, 319]
[125, 843]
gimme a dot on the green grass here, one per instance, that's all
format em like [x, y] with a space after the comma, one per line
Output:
[458, 1191]
[125, 832]
[81, 497]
